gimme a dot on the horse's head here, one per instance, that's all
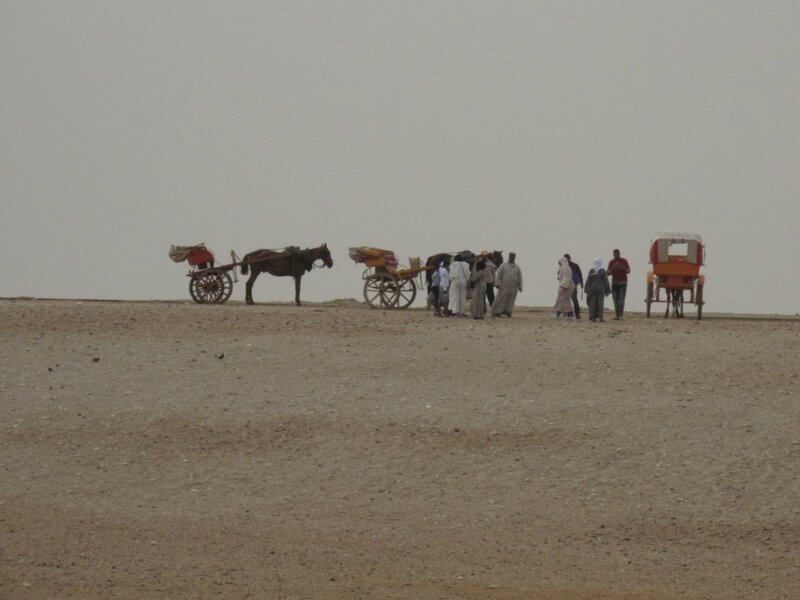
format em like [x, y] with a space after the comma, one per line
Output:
[325, 256]
[497, 257]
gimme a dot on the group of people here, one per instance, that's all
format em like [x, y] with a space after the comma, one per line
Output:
[452, 283]
[596, 287]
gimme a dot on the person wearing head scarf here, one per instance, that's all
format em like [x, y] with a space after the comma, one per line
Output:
[565, 288]
[477, 283]
[508, 281]
[444, 287]
[433, 297]
[597, 288]
[459, 276]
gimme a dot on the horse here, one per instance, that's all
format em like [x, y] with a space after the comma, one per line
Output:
[291, 261]
[675, 300]
[496, 256]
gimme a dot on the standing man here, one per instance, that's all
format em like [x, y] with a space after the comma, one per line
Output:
[436, 279]
[619, 269]
[508, 281]
[577, 278]
[489, 274]
[444, 287]
[459, 277]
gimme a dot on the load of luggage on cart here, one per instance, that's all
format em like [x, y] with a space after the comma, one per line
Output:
[387, 284]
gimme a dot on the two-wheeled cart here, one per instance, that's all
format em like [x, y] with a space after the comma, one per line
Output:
[676, 259]
[210, 283]
[387, 284]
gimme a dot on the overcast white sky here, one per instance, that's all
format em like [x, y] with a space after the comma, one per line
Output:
[540, 127]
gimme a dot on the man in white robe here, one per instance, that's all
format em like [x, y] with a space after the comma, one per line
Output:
[459, 276]
[508, 280]
[444, 286]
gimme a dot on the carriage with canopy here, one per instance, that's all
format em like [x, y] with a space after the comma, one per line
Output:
[676, 260]
[387, 284]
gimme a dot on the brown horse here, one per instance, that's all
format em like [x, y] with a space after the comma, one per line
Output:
[291, 261]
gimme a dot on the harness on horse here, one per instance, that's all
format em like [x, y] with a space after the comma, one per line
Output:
[297, 254]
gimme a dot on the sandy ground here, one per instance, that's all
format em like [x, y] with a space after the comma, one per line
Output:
[170, 450]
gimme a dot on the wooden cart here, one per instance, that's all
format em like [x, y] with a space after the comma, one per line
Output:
[676, 260]
[210, 284]
[387, 284]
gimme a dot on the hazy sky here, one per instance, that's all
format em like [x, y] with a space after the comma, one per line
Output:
[540, 127]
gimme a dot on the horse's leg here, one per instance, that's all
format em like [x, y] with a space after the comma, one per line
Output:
[297, 279]
[248, 294]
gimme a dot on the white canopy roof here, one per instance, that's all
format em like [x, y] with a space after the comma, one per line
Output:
[678, 238]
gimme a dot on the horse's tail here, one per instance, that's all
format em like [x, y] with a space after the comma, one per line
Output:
[245, 265]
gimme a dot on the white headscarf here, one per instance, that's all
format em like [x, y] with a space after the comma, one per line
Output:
[597, 264]
[564, 272]
[444, 277]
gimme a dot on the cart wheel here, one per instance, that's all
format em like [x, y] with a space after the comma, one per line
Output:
[698, 299]
[649, 298]
[211, 287]
[406, 293]
[381, 291]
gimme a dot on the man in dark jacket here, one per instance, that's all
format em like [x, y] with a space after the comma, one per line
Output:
[577, 277]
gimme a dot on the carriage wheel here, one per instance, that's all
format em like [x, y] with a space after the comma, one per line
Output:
[406, 293]
[698, 299]
[381, 291]
[649, 298]
[210, 287]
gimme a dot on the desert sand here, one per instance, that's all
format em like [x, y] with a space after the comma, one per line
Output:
[172, 450]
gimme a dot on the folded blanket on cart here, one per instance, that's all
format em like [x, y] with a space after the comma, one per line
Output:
[197, 253]
[371, 256]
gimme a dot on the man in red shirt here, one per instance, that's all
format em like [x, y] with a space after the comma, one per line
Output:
[618, 268]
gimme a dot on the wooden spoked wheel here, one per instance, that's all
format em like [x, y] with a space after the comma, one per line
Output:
[698, 300]
[211, 286]
[381, 291]
[406, 293]
[649, 298]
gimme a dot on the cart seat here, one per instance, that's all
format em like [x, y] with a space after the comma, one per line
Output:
[676, 266]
